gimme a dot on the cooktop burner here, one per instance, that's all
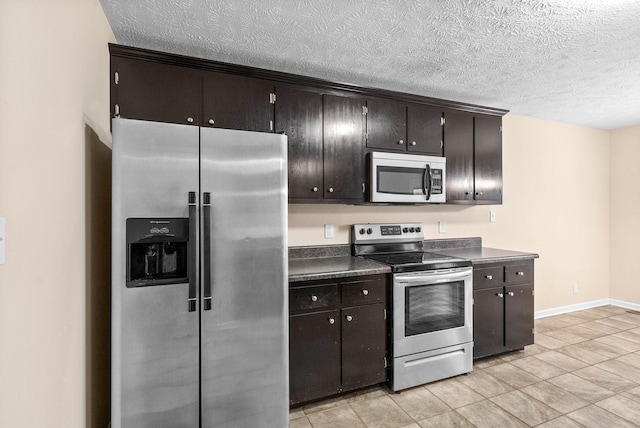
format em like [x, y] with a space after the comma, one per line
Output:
[399, 246]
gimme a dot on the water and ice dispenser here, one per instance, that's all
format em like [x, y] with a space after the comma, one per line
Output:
[157, 251]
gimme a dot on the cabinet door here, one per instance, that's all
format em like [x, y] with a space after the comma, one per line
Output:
[386, 124]
[154, 91]
[344, 125]
[518, 314]
[299, 115]
[363, 346]
[488, 158]
[424, 130]
[237, 102]
[314, 355]
[458, 149]
[488, 321]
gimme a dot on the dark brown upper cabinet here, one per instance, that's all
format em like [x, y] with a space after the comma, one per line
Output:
[458, 149]
[473, 148]
[488, 159]
[238, 102]
[298, 114]
[344, 162]
[424, 129]
[152, 91]
[386, 124]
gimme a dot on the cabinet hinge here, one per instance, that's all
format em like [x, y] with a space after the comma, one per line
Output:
[500, 128]
[272, 98]
[533, 331]
[116, 111]
[366, 136]
[271, 125]
[385, 311]
[442, 121]
[473, 302]
[533, 292]
[365, 110]
[116, 77]
[441, 144]
[386, 363]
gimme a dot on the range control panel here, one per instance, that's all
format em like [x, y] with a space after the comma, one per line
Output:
[386, 232]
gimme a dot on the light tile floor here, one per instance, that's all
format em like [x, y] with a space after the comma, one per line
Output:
[582, 371]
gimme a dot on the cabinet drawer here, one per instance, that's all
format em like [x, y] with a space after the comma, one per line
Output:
[518, 274]
[488, 277]
[363, 292]
[313, 298]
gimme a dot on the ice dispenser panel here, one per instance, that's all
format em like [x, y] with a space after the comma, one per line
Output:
[157, 251]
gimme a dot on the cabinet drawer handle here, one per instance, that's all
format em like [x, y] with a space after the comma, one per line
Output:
[332, 321]
[511, 293]
[315, 188]
[413, 143]
[211, 122]
[314, 298]
[489, 277]
[349, 318]
[190, 119]
[520, 273]
[365, 292]
[401, 142]
[500, 295]
[330, 189]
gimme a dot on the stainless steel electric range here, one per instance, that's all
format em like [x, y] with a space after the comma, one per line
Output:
[431, 295]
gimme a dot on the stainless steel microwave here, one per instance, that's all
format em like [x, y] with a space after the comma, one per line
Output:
[406, 178]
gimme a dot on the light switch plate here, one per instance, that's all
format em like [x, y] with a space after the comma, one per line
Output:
[328, 231]
[442, 226]
[3, 229]
[492, 216]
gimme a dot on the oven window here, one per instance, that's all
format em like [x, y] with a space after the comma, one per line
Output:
[400, 181]
[434, 307]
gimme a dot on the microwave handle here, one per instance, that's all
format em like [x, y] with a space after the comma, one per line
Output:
[426, 182]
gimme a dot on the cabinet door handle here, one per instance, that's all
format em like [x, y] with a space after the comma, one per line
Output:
[315, 188]
[314, 298]
[349, 318]
[401, 142]
[413, 143]
[330, 189]
[190, 119]
[500, 295]
[365, 292]
[489, 277]
[211, 122]
[511, 293]
[520, 273]
[332, 321]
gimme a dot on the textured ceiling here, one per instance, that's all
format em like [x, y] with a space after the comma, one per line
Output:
[575, 61]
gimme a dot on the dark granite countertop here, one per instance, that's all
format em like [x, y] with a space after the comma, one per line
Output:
[335, 261]
[315, 268]
[480, 255]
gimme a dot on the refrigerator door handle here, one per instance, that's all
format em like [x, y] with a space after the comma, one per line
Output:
[193, 261]
[206, 253]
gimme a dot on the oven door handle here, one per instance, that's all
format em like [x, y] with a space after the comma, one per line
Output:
[426, 182]
[432, 277]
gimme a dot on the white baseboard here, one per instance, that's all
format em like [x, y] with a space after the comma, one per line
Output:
[585, 305]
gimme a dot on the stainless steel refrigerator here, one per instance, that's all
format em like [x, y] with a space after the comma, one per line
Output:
[199, 277]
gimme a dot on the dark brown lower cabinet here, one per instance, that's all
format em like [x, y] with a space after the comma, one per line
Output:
[337, 336]
[502, 307]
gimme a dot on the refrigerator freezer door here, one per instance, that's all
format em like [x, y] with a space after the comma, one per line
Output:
[155, 339]
[244, 335]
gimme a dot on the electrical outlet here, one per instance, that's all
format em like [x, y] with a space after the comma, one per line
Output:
[328, 231]
[442, 226]
[492, 216]
[575, 288]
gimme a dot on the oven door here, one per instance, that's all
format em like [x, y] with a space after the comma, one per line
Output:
[431, 310]
[403, 178]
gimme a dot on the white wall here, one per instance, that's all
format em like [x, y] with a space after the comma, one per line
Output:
[54, 88]
[625, 214]
[556, 187]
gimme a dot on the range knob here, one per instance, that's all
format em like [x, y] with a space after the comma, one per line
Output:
[369, 231]
[405, 230]
[411, 229]
[361, 231]
[417, 229]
